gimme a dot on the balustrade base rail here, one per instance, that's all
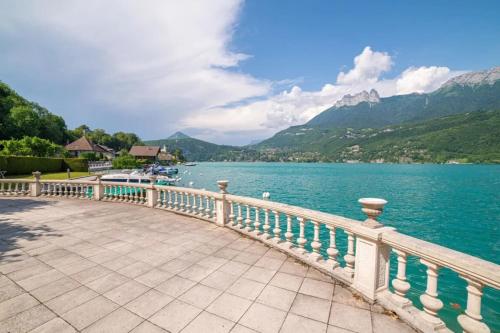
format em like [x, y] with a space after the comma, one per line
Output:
[296, 231]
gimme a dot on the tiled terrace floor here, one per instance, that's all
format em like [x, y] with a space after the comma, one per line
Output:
[76, 265]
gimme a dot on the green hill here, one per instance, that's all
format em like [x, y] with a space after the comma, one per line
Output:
[469, 137]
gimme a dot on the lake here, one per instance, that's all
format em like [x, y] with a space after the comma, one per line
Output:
[457, 206]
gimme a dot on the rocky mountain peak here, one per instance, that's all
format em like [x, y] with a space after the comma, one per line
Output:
[488, 76]
[178, 136]
[364, 96]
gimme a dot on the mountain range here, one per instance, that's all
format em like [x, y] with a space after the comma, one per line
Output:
[459, 122]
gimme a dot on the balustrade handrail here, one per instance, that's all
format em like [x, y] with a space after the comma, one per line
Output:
[483, 271]
[368, 243]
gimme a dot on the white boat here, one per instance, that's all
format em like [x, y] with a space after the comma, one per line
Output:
[190, 164]
[136, 177]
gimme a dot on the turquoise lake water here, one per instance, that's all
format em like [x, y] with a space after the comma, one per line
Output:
[457, 206]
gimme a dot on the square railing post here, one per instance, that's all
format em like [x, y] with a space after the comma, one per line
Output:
[221, 204]
[371, 267]
[151, 193]
[98, 192]
[36, 187]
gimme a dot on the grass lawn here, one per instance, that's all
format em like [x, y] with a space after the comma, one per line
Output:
[52, 176]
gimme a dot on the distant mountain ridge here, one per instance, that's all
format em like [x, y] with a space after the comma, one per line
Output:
[460, 120]
[489, 76]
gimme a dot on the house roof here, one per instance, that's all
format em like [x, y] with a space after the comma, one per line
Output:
[144, 150]
[84, 144]
[165, 156]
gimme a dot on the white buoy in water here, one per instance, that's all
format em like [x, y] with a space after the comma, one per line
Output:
[266, 195]
[191, 184]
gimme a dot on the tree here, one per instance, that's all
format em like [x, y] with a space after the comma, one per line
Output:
[23, 121]
[125, 161]
[30, 146]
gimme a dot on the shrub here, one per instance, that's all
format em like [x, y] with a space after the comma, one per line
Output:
[75, 164]
[20, 165]
[126, 161]
[24, 165]
[30, 146]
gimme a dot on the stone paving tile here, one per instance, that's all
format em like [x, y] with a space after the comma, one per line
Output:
[246, 288]
[224, 281]
[229, 306]
[175, 286]
[311, 307]
[107, 282]
[277, 297]
[16, 304]
[259, 274]
[263, 318]
[117, 321]
[149, 303]
[88, 313]
[71, 299]
[175, 316]
[27, 320]
[56, 325]
[54, 289]
[317, 288]
[350, 318]
[147, 327]
[207, 322]
[297, 324]
[287, 281]
[126, 292]
[154, 277]
[200, 296]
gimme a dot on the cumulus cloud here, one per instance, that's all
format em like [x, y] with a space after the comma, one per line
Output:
[295, 106]
[119, 64]
[422, 79]
[367, 67]
[166, 66]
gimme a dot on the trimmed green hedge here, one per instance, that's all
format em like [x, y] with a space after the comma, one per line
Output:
[75, 164]
[24, 165]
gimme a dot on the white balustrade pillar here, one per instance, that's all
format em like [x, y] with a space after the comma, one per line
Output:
[401, 286]
[430, 301]
[371, 262]
[471, 320]
[98, 190]
[36, 187]
[222, 206]
[151, 193]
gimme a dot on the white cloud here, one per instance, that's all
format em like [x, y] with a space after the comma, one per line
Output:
[422, 79]
[291, 107]
[367, 67]
[123, 63]
[167, 65]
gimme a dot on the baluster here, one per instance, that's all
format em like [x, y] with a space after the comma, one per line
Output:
[248, 225]
[301, 241]
[9, 189]
[188, 203]
[266, 226]
[160, 202]
[82, 190]
[239, 219]
[277, 228]
[332, 249]
[169, 203]
[207, 207]
[182, 205]
[195, 207]
[471, 320]
[16, 189]
[143, 196]
[316, 244]
[256, 224]
[401, 286]
[71, 192]
[429, 300]
[231, 213]
[214, 210]
[289, 233]
[349, 257]
[2, 188]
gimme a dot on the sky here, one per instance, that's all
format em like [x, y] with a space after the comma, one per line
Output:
[233, 71]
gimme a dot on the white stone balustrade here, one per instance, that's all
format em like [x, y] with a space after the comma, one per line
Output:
[365, 265]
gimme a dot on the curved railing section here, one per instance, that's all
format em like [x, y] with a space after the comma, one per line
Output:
[361, 260]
